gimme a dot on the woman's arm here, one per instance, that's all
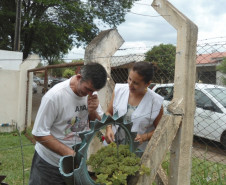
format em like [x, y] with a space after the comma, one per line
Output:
[157, 119]
[147, 136]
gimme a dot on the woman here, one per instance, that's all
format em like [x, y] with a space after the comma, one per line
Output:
[137, 103]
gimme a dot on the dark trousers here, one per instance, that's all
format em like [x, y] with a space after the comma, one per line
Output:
[43, 173]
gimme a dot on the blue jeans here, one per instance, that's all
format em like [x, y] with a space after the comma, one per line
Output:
[43, 173]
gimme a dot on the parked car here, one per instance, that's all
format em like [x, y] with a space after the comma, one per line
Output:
[37, 80]
[34, 88]
[210, 114]
[49, 81]
[56, 81]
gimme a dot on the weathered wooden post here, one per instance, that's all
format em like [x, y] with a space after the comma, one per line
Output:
[184, 86]
[100, 50]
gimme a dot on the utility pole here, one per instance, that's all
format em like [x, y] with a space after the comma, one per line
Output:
[17, 26]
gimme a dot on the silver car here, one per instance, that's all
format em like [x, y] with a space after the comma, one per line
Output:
[210, 114]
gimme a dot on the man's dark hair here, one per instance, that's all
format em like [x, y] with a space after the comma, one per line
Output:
[95, 73]
[144, 69]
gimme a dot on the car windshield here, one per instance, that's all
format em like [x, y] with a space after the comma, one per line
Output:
[219, 94]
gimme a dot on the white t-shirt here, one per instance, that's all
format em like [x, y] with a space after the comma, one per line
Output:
[62, 114]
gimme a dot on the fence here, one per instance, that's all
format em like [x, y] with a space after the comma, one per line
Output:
[209, 154]
[209, 161]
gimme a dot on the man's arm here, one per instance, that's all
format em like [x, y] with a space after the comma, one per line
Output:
[54, 145]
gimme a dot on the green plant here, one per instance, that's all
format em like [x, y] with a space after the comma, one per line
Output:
[68, 73]
[113, 164]
[203, 172]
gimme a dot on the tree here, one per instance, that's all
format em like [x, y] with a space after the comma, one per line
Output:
[163, 56]
[68, 73]
[52, 27]
[57, 72]
[222, 68]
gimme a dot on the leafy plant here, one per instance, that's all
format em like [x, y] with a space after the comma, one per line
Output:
[68, 73]
[163, 56]
[113, 165]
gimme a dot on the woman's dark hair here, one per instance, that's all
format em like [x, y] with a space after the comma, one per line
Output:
[144, 69]
[95, 73]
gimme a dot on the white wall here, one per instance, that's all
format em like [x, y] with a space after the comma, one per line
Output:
[8, 98]
[13, 90]
[10, 60]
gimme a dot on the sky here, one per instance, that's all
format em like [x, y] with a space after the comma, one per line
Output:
[145, 28]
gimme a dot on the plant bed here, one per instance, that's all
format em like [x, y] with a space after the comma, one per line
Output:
[113, 165]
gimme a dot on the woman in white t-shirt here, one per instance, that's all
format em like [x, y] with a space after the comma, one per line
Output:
[138, 103]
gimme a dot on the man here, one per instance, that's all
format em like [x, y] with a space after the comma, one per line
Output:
[65, 111]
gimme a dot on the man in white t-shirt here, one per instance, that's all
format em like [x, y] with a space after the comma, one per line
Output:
[65, 110]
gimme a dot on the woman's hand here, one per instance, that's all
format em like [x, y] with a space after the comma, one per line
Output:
[142, 138]
[109, 135]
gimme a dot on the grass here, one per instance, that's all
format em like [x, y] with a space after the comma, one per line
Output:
[203, 172]
[16, 153]
[208, 173]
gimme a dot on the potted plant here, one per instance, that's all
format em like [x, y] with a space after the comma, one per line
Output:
[113, 164]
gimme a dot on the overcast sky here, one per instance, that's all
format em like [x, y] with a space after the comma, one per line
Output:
[144, 28]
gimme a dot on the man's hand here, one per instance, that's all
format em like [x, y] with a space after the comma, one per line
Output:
[93, 103]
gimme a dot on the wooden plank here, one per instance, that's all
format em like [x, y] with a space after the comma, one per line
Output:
[157, 148]
[161, 177]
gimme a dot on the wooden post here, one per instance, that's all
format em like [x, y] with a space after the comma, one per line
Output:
[100, 50]
[184, 83]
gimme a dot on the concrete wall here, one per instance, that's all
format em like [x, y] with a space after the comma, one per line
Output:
[13, 90]
[8, 99]
[10, 60]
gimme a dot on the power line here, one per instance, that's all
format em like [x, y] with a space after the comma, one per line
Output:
[147, 15]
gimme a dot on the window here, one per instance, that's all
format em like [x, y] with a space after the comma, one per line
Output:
[165, 92]
[204, 102]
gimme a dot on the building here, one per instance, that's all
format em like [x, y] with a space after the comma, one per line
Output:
[206, 68]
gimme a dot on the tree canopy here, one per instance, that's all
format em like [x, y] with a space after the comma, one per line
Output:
[163, 56]
[51, 27]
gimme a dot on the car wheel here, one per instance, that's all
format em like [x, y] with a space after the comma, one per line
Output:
[223, 139]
